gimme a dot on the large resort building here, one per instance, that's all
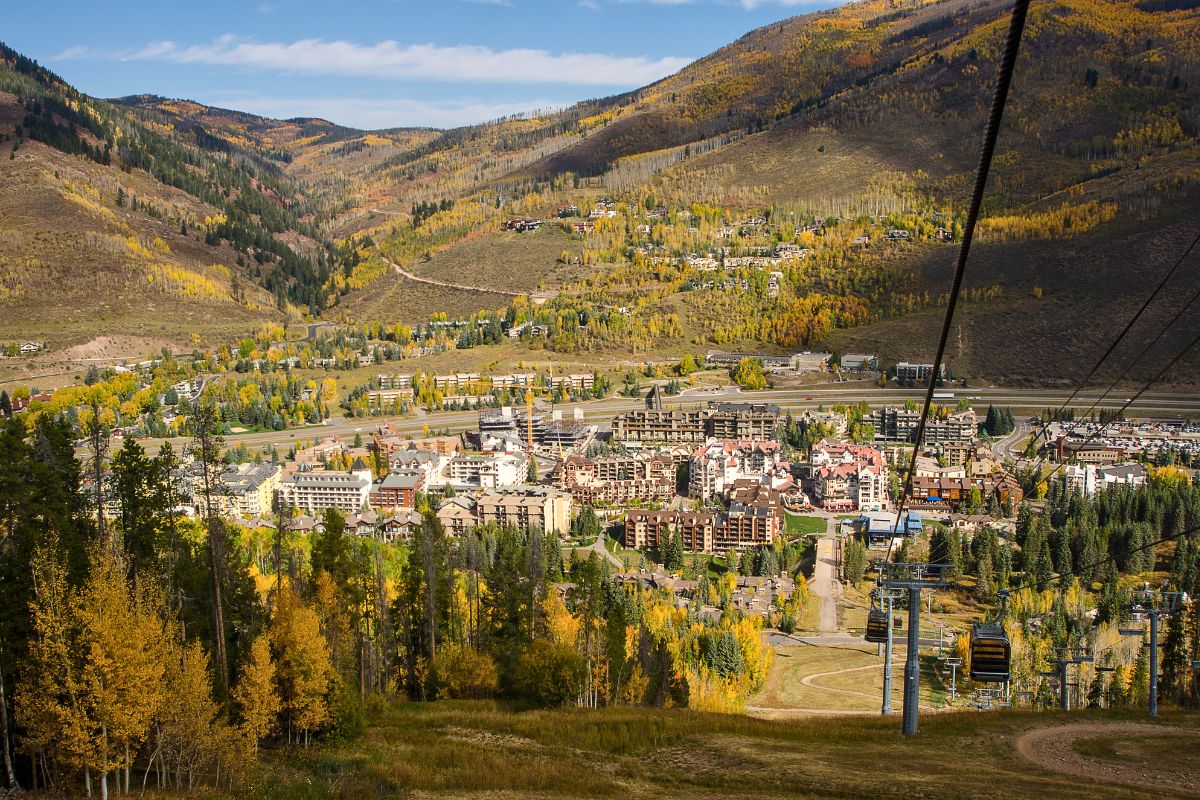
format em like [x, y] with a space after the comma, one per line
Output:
[753, 421]
[316, 490]
[754, 517]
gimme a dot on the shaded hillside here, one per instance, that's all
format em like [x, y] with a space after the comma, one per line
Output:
[1101, 88]
[1062, 302]
[88, 249]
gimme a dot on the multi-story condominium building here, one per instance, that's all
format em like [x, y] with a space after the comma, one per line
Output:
[398, 489]
[573, 382]
[459, 380]
[717, 420]
[1089, 478]
[849, 477]
[427, 462]
[1003, 487]
[386, 440]
[648, 530]
[618, 479]
[831, 423]
[1083, 452]
[916, 373]
[719, 462]
[893, 424]
[541, 509]
[399, 526]
[755, 517]
[577, 469]
[248, 490]
[395, 381]
[660, 425]
[517, 380]
[316, 490]
[488, 470]
[377, 398]
[742, 421]
[457, 515]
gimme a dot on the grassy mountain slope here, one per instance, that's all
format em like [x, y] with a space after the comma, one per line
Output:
[104, 267]
[232, 226]
[867, 111]
[876, 109]
[477, 749]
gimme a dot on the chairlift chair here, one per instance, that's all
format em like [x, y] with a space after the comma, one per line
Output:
[877, 625]
[991, 652]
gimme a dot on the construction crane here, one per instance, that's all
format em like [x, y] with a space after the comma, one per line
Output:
[529, 420]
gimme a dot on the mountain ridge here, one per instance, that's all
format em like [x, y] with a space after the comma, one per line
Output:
[870, 105]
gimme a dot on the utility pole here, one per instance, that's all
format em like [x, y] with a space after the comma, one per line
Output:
[913, 578]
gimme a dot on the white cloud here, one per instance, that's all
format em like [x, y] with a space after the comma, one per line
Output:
[390, 60]
[371, 114]
[749, 5]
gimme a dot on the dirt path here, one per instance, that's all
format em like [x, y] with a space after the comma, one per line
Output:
[1052, 748]
[807, 680]
[825, 584]
[445, 284]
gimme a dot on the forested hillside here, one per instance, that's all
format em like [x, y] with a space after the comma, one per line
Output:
[852, 134]
[866, 117]
[110, 217]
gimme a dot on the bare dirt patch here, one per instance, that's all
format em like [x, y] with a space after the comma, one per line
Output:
[1053, 748]
[116, 347]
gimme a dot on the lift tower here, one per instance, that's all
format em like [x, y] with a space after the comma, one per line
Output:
[913, 578]
[1154, 604]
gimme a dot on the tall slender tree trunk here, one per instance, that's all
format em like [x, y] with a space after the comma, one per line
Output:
[216, 561]
[99, 443]
[206, 447]
[10, 773]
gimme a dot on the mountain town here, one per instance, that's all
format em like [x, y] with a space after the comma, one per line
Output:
[818, 419]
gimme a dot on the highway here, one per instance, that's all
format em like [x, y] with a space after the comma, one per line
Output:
[599, 412]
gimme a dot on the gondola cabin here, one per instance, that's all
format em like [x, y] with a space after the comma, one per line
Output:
[990, 653]
[877, 626]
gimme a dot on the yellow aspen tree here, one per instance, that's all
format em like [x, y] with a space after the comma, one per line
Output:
[255, 694]
[303, 666]
[46, 703]
[189, 727]
[121, 671]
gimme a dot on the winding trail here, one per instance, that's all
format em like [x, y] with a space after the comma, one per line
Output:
[1052, 748]
[444, 284]
[807, 680]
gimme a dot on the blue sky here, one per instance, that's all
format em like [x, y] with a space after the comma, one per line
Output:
[379, 63]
